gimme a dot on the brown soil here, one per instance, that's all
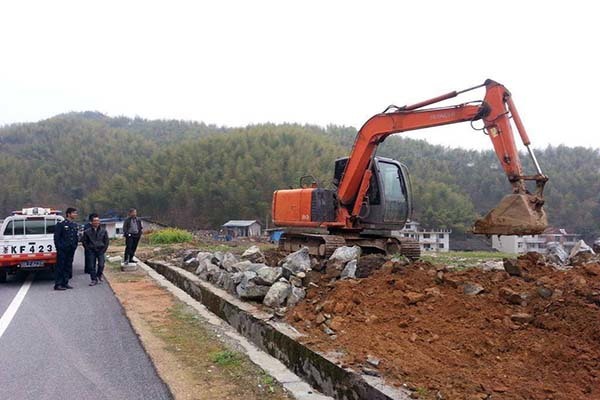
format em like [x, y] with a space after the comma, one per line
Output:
[273, 256]
[535, 336]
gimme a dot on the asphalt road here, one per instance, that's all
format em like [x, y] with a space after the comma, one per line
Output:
[73, 344]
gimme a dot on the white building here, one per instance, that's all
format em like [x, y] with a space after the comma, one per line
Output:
[538, 243]
[242, 228]
[429, 239]
[113, 226]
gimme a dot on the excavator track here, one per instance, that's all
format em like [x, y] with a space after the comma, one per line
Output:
[410, 248]
[323, 246]
[318, 245]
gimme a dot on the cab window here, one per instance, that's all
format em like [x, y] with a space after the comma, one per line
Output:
[14, 227]
[50, 225]
[18, 227]
[8, 231]
[35, 226]
[394, 189]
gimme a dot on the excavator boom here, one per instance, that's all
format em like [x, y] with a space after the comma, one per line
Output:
[520, 213]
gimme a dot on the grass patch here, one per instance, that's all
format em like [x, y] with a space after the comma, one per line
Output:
[216, 247]
[170, 235]
[422, 392]
[186, 335]
[226, 358]
[114, 266]
[120, 241]
[464, 259]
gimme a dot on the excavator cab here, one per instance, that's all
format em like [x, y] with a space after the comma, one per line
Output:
[388, 202]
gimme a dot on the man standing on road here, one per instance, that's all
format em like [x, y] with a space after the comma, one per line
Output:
[65, 242]
[95, 242]
[87, 257]
[132, 229]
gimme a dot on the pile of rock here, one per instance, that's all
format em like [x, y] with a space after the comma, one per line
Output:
[250, 278]
[580, 254]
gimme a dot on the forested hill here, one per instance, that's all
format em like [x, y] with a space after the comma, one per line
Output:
[199, 176]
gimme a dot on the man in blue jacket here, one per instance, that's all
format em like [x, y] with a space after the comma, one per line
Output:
[65, 241]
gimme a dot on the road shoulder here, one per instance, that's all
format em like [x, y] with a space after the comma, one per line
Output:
[193, 359]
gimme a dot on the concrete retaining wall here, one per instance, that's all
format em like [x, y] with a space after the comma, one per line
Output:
[279, 340]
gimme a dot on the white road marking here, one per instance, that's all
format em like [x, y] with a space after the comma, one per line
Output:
[14, 305]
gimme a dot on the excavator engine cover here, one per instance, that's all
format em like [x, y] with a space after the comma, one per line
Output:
[303, 207]
[516, 214]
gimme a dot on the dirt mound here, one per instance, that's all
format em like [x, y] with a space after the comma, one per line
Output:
[472, 334]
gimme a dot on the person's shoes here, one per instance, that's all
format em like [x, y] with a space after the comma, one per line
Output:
[93, 283]
[58, 287]
[100, 279]
[67, 286]
[132, 262]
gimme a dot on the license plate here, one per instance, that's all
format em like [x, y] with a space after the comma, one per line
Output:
[32, 264]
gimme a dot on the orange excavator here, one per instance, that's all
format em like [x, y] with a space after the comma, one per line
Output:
[373, 194]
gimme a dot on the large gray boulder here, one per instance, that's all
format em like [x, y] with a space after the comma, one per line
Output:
[345, 254]
[248, 289]
[208, 271]
[254, 255]
[267, 275]
[556, 254]
[217, 258]
[349, 271]
[298, 261]
[187, 254]
[203, 265]
[581, 247]
[581, 253]
[228, 284]
[296, 294]
[277, 294]
[247, 266]
[191, 264]
[228, 261]
[596, 246]
[204, 255]
[217, 277]
[230, 281]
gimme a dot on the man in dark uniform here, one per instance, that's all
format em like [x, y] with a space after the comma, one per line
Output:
[65, 241]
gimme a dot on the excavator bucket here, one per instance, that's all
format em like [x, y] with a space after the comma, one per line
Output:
[516, 214]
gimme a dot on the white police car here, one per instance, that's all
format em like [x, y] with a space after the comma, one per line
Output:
[27, 240]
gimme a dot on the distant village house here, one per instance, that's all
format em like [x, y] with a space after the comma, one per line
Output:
[242, 228]
[538, 243]
[429, 239]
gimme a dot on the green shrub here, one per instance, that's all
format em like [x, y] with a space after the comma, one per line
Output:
[170, 235]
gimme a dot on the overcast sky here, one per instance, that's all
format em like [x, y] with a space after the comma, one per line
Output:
[235, 63]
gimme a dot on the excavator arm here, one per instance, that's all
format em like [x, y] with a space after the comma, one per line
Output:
[518, 213]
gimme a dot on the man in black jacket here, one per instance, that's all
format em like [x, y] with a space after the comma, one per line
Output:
[132, 230]
[86, 257]
[95, 242]
[65, 242]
